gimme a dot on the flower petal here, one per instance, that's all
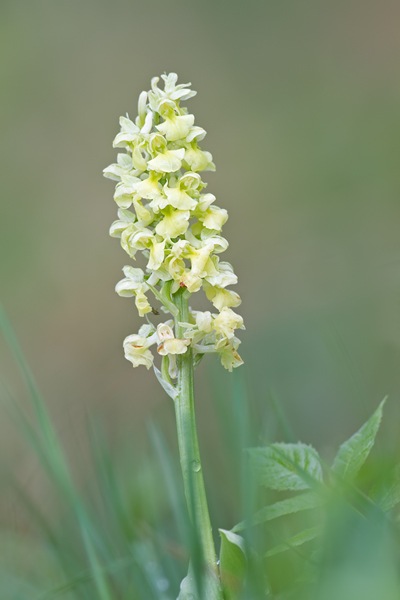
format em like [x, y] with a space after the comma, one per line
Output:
[167, 162]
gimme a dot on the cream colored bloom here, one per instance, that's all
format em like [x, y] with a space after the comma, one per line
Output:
[129, 134]
[126, 218]
[174, 346]
[226, 323]
[190, 280]
[204, 321]
[134, 285]
[122, 167]
[220, 297]
[227, 349]
[136, 237]
[178, 198]
[167, 162]
[125, 191]
[144, 214]
[197, 160]
[170, 91]
[214, 218]
[174, 223]
[168, 343]
[156, 256]
[149, 188]
[222, 274]
[164, 332]
[199, 258]
[175, 127]
[136, 347]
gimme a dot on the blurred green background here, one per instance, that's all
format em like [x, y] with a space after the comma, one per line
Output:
[301, 104]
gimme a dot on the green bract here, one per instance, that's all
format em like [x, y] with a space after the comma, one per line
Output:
[164, 215]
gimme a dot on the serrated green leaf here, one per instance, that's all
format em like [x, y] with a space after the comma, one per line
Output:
[284, 507]
[233, 564]
[387, 494]
[354, 452]
[286, 466]
[297, 540]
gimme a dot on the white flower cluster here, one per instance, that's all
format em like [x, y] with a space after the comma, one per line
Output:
[164, 215]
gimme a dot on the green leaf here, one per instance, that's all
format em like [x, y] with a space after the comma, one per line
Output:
[297, 540]
[387, 493]
[233, 564]
[353, 453]
[285, 507]
[286, 466]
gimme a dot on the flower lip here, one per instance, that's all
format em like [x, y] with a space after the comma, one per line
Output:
[173, 346]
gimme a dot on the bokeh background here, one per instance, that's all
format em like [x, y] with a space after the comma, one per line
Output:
[301, 104]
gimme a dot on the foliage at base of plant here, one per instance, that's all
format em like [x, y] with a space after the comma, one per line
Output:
[333, 535]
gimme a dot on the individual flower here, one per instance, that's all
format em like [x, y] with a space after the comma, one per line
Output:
[222, 275]
[121, 168]
[125, 218]
[169, 344]
[149, 188]
[174, 223]
[175, 127]
[125, 191]
[171, 91]
[220, 297]
[136, 346]
[129, 134]
[145, 214]
[227, 350]
[136, 237]
[134, 285]
[168, 161]
[178, 198]
[226, 322]
[197, 160]
[214, 218]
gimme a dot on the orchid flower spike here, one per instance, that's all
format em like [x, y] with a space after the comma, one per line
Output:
[164, 215]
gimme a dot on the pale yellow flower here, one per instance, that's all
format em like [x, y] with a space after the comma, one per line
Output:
[226, 322]
[136, 348]
[149, 188]
[168, 161]
[221, 297]
[227, 349]
[175, 127]
[174, 223]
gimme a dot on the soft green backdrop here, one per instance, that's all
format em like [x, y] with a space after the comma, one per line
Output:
[301, 102]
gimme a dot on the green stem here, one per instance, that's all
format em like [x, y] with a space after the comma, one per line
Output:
[190, 454]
